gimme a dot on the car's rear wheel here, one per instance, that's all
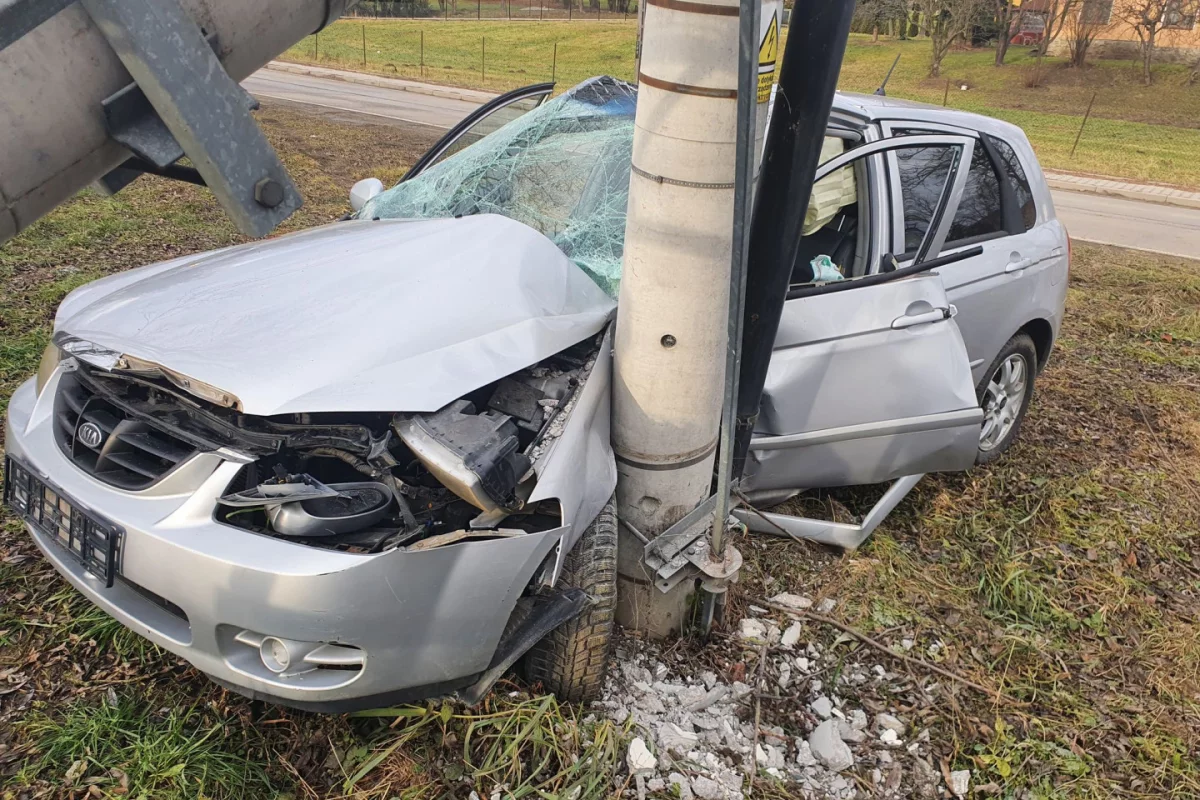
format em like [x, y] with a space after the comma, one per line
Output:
[1004, 395]
[572, 660]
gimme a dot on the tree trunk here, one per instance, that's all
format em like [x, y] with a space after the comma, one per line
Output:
[1148, 58]
[875, 34]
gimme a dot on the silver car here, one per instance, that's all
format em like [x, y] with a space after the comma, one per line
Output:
[370, 462]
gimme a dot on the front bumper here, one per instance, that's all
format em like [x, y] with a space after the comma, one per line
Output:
[427, 621]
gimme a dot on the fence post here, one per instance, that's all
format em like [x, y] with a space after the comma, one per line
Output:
[483, 59]
[478, 9]
[422, 52]
[364, 27]
[946, 96]
[570, 10]
[554, 65]
[1087, 114]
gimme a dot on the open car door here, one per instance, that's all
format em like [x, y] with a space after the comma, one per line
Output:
[489, 117]
[869, 381]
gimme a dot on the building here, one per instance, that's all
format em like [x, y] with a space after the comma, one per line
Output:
[1179, 39]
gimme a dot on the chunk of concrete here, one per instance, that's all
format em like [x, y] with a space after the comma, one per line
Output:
[828, 748]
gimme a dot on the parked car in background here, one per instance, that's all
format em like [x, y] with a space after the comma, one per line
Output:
[370, 462]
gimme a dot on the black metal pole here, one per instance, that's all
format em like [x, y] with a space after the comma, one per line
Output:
[812, 58]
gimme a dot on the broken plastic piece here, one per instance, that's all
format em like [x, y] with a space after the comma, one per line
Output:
[289, 489]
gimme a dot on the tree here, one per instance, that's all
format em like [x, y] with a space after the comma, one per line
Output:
[1081, 29]
[1008, 17]
[876, 15]
[948, 21]
[1149, 18]
[1057, 14]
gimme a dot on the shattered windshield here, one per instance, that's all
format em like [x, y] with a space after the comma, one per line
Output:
[562, 169]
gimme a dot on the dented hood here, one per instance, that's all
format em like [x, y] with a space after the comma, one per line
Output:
[389, 315]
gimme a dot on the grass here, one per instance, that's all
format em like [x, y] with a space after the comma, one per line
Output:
[1065, 575]
[1135, 132]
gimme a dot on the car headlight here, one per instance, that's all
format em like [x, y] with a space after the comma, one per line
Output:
[50, 358]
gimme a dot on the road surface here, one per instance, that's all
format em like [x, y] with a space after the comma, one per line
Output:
[1154, 227]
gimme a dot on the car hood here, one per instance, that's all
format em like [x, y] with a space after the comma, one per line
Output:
[386, 315]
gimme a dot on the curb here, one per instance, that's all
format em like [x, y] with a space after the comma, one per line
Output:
[379, 81]
[1125, 191]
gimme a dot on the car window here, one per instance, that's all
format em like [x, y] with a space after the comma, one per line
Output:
[922, 174]
[1014, 173]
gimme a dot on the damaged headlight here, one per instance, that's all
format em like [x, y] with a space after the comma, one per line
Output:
[50, 358]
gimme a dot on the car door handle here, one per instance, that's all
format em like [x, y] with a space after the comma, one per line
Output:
[1017, 266]
[924, 318]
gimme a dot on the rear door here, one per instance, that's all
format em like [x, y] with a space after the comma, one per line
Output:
[995, 290]
[869, 380]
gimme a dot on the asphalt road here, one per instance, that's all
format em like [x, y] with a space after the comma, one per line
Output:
[1154, 227]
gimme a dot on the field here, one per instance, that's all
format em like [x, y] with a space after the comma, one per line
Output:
[1065, 577]
[1149, 134]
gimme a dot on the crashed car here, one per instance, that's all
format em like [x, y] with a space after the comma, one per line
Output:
[370, 462]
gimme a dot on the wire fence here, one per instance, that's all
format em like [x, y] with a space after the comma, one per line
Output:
[516, 10]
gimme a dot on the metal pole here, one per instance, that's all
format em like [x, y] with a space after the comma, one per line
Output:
[554, 65]
[422, 52]
[483, 59]
[364, 32]
[316, 44]
[743, 205]
[570, 9]
[946, 96]
[478, 9]
[1079, 135]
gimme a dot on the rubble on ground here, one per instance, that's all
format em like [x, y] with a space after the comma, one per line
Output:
[822, 733]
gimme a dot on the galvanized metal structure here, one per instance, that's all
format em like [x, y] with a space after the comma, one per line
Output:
[106, 90]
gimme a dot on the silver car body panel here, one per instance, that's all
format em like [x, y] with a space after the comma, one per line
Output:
[424, 618]
[848, 398]
[438, 308]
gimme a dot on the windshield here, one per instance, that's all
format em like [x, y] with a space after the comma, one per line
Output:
[562, 169]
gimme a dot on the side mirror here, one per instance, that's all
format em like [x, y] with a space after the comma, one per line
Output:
[363, 191]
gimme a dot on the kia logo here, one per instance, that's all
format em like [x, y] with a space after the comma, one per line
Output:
[90, 434]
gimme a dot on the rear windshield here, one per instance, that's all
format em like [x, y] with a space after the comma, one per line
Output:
[562, 169]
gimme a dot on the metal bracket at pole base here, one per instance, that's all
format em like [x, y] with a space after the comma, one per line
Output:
[837, 534]
[691, 555]
[201, 106]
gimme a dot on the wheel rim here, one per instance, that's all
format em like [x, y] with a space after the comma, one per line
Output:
[1002, 401]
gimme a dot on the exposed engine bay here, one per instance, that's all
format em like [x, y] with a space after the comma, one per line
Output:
[369, 482]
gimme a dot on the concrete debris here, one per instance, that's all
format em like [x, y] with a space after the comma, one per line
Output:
[887, 722]
[826, 605]
[676, 740]
[681, 786]
[639, 758]
[850, 734]
[829, 749]
[707, 788]
[793, 601]
[791, 636]
[822, 707]
[656, 785]
[960, 782]
[890, 738]
[753, 630]
[758, 610]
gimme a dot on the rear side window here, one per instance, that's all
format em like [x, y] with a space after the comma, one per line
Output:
[1014, 173]
[923, 172]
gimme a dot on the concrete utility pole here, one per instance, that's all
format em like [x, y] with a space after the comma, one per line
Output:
[672, 327]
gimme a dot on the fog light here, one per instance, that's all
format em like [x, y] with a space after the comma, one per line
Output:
[277, 655]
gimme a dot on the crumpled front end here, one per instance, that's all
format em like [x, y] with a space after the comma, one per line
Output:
[396, 583]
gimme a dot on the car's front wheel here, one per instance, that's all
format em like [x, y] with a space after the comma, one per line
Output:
[572, 660]
[1004, 395]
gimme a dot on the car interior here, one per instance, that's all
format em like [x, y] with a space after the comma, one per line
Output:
[835, 246]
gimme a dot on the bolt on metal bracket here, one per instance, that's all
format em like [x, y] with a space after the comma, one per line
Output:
[204, 110]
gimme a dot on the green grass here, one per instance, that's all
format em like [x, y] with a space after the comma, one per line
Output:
[165, 755]
[1148, 134]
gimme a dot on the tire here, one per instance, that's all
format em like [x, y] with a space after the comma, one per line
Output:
[998, 391]
[572, 660]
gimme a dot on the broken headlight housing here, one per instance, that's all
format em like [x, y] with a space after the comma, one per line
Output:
[51, 357]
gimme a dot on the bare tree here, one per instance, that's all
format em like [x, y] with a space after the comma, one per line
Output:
[1057, 14]
[876, 15]
[1082, 28]
[1008, 17]
[947, 21]
[1149, 18]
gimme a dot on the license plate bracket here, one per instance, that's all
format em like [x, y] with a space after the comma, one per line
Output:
[92, 540]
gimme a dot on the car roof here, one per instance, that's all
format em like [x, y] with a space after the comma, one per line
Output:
[873, 108]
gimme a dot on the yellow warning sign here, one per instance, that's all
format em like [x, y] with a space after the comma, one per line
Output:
[768, 54]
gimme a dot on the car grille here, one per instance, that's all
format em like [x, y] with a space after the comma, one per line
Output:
[106, 442]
